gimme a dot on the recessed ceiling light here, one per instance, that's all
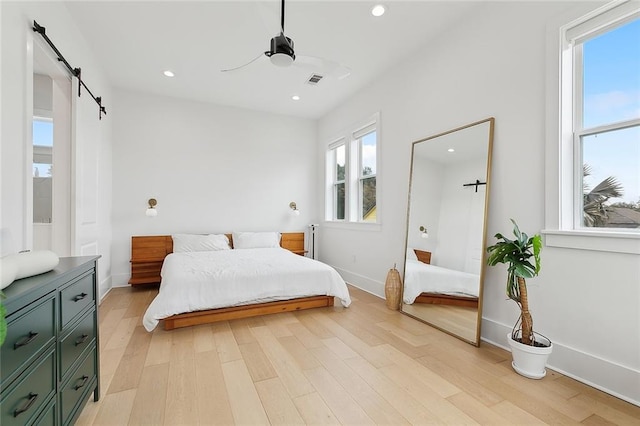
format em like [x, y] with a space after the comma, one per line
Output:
[378, 10]
[451, 150]
[169, 73]
[295, 97]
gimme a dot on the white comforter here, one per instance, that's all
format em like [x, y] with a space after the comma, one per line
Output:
[195, 281]
[420, 277]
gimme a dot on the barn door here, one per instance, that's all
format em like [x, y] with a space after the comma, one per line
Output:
[84, 194]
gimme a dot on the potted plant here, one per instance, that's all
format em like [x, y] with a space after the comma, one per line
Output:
[530, 350]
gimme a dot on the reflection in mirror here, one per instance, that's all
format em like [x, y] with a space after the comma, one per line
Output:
[448, 195]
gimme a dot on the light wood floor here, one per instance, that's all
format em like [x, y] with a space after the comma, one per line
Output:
[459, 320]
[360, 365]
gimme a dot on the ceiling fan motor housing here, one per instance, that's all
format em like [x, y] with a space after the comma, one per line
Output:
[282, 44]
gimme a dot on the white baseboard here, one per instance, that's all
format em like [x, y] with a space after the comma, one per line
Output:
[607, 376]
[111, 282]
[363, 283]
[120, 280]
[104, 295]
[104, 288]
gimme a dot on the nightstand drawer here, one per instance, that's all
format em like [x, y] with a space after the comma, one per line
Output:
[81, 337]
[75, 390]
[22, 403]
[26, 336]
[76, 297]
[145, 272]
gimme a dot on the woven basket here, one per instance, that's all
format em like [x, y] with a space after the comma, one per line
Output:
[392, 289]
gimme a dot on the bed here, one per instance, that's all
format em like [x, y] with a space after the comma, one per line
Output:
[426, 283]
[208, 285]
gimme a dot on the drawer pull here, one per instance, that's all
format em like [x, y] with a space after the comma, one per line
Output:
[85, 379]
[32, 399]
[27, 339]
[80, 340]
[80, 297]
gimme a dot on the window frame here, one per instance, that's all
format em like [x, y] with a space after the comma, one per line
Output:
[563, 188]
[358, 136]
[332, 170]
[353, 175]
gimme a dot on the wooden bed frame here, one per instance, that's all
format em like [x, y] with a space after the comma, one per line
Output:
[147, 256]
[442, 299]
[445, 299]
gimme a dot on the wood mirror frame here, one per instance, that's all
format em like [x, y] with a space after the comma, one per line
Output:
[446, 229]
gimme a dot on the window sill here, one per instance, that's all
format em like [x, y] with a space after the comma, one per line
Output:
[358, 226]
[610, 241]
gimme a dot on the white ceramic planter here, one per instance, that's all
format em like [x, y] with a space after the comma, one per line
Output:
[530, 361]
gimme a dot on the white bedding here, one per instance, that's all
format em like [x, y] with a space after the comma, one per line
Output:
[196, 281]
[420, 277]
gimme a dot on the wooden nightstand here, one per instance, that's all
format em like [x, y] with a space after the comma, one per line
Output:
[294, 242]
[147, 255]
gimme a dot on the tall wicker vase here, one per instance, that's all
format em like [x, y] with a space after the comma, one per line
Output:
[392, 288]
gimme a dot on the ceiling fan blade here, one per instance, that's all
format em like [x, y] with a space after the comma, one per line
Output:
[244, 65]
[322, 65]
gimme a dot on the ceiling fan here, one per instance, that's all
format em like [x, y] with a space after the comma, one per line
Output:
[282, 54]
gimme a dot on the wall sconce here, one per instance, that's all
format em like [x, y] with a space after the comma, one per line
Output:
[151, 210]
[424, 233]
[294, 208]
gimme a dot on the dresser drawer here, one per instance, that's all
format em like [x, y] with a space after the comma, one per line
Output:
[74, 343]
[77, 387]
[27, 334]
[24, 401]
[49, 416]
[76, 297]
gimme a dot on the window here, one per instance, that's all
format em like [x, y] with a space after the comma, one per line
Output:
[600, 121]
[338, 171]
[352, 179]
[367, 155]
[42, 170]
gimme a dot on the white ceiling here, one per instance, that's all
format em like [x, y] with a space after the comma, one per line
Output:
[470, 144]
[135, 41]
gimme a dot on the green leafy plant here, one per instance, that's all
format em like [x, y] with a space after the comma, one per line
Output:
[3, 320]
[522, 257]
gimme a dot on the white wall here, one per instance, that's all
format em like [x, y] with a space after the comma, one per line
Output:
[211, 169]
[16, 86]
[461, 212]
[425, 208]
[493, 64]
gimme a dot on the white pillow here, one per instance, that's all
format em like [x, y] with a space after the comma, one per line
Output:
[193, 242]
[411, 254]
[26, 264]
[247, 240]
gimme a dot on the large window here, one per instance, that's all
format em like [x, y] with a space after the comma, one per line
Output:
[600, 121]
[352, 178]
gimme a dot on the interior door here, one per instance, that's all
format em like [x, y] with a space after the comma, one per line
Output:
[85, 145]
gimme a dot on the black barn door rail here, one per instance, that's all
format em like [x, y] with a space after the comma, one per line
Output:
[76, 72]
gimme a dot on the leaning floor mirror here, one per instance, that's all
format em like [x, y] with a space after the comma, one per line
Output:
[446, 229]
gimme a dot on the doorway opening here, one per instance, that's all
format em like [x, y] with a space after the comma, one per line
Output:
[51, 159]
